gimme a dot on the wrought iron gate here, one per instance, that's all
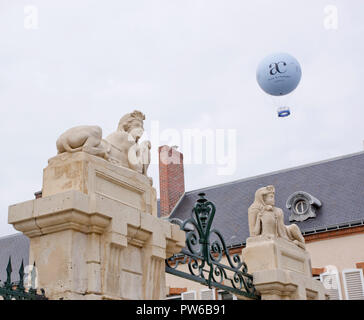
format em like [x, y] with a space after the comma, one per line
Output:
[204, 251]
[16, 290]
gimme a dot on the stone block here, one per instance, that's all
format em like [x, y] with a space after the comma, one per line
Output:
[281, 270]
[20, 211]
[279, 253]
[92, 175]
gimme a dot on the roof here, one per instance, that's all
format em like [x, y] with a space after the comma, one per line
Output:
[15, 246]
[338, 183]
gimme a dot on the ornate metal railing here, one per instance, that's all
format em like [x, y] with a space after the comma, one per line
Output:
[16, 290]
[205, 248]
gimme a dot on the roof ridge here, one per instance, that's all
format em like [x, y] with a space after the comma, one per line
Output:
[277, 172]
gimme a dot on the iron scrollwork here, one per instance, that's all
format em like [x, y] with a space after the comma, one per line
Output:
[205, 248]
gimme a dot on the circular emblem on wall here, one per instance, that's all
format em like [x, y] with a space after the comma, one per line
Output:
[302, 206]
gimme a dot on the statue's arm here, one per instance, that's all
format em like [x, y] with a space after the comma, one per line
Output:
[280, 217]
[258, 224]
[255, 225]
[134, 159]
[282, 228]
[145, 155]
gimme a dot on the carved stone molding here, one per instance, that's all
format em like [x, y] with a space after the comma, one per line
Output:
[302, 206]
[70, 212]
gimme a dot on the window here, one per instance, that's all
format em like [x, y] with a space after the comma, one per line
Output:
[207, 294]
[189, 295]
[301, 207]
[331, 282]
[175, 297]
[225, 295]
[353, 284]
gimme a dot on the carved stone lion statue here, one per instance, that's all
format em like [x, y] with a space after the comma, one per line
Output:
[267, 220]
[120, 147]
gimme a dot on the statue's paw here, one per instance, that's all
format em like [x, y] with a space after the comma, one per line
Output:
[299, 244]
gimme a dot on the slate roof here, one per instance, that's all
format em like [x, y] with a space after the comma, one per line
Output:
[338, 183]
[16, 246]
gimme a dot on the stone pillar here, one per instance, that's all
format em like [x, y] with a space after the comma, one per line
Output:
[281, 270]
[95, 233]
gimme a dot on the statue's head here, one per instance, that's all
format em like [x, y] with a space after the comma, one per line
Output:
[265, 195]
[132, 123]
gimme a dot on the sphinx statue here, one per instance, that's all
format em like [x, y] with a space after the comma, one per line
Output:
[121, 147]
[268, 221]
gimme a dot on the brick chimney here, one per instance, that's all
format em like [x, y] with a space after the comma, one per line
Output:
[171, 178]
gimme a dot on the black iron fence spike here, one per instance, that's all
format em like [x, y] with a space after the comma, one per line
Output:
[9, 270]
[21, 275]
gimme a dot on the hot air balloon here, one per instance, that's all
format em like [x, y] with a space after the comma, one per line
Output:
[278, 75]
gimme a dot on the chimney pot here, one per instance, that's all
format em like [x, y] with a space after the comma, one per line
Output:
[38, 194]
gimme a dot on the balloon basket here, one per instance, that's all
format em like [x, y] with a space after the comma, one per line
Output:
[283, 112]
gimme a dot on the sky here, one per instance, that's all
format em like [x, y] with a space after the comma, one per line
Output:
[186, 65]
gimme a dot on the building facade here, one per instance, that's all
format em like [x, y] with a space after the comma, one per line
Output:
[325, 199]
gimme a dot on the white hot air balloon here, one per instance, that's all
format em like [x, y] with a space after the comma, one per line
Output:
[278, 75]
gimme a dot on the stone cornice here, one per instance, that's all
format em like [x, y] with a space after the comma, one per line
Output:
[34, 218]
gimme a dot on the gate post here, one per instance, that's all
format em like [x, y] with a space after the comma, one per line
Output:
[95, 233]
[281, 270]
[276, 255]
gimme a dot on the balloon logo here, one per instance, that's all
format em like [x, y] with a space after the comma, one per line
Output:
[279, 74]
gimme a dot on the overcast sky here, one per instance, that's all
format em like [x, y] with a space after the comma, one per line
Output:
[187, 64]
